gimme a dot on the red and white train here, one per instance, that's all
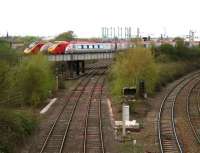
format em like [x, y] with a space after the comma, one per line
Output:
[64, 47]
[33, 48]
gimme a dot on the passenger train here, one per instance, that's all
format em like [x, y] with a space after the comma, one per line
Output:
[33, 48]
[65, 47]
[59, 47]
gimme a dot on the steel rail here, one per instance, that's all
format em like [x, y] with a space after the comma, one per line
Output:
[100, 121]
[184, 81]
[70, 96]
[71, 116]
[99, 118]
[192, 126]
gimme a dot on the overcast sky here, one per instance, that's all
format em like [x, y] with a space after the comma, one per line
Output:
[86, 17]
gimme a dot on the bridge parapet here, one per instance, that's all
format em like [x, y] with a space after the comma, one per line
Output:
[82, 56]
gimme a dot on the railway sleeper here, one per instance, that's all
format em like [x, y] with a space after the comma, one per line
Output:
[168, 136]
[94, 150]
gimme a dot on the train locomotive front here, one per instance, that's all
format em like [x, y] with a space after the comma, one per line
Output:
[58, 48]
[33, 48]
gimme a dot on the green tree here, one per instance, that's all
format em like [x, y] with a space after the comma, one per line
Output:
[7, 53]
[179, 42]
[167, 49]
[34, 77]
[4, 80]
[15, 126]
[65, 36]
[4, 45]
[132, 66]
[28, 39]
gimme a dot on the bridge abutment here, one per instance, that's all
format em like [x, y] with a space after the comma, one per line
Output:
[75, 67]
[70, 69]
[83, 66]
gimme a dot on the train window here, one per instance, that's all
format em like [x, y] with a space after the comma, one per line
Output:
[98, 46]
[93, 46]
[79, 46]
[87, 46]
[90, 46]
[82, 47]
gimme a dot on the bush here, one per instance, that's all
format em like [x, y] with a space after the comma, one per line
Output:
[15, 127]
[34, 78]
[4, 79]
[180, 52]
[138, 64]
[132, 66]
[7, 53]
[67, 36]
[4, 46]
[169, 72]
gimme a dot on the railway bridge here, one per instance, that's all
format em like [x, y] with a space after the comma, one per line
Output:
[73, 63]
[77, 56]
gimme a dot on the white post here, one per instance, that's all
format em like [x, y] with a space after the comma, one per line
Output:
[123, 121]
[134, 143]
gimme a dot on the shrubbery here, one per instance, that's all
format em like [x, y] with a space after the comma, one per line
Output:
[34, 78]
[131, 67]
[166, 64]
[14, 127]
[23, 83]
[179, 52]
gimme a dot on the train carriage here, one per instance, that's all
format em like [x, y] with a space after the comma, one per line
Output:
[89, 47]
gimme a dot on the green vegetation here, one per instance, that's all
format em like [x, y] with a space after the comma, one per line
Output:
[4, 45]
[129, 147]
[157, 66]
[177, 53]
[24, 85]
[131, 67]
[35, 79]
[6, 53]
[67, 36]
[15, 127]
[26, 40]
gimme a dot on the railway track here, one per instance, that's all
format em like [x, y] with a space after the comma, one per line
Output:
[167, 135]
[193, 110]
[55, 138]
[93, 135]
[76, 134]
[67, 125]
